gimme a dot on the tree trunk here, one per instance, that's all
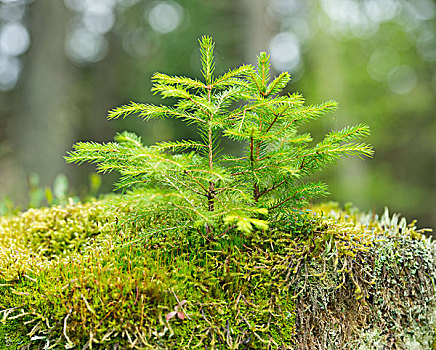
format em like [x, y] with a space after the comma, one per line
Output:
[41, 128]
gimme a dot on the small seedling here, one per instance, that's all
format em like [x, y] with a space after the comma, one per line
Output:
[178, 310]
[204, 188]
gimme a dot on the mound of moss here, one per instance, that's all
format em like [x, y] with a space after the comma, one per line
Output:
[84, 277]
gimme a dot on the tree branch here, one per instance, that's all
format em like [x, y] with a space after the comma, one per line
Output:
[271, 188]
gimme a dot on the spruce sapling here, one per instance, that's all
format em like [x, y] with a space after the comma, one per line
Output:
[194, 178]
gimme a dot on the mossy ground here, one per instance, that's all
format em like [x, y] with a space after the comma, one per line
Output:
[13, 335]
[84, 277]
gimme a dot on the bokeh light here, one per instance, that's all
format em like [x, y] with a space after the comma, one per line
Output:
[14, 39]
[14, 1]
[165, 16]
[77, 5]
[402, 79]
[280, 8]
[10, 68]
[128, 3]
[426, 45]
[380, 11]
[85, 41]
[85, 5]
[421, 9]
[360, 19]
[381, 62]
[12, 12]
[84, 46]
[99, 18]
[285, 51]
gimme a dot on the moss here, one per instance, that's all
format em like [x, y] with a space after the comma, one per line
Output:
[322, 278]
[55, 231]
[13, 335]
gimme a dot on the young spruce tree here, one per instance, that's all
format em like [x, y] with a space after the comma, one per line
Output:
[194, 178]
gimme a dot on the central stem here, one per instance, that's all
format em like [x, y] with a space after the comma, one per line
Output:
[211, 190]
[256, 192]
[252, 161]
[211, 196]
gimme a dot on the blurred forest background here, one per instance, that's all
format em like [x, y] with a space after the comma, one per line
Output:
[65, 63]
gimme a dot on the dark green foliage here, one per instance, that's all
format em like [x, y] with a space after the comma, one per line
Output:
[244, 104]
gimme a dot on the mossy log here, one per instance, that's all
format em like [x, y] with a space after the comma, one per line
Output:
[81, 276]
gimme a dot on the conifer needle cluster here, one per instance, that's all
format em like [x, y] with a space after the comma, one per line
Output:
[194, 178]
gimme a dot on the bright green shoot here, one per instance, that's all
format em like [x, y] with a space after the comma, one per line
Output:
[194, 179]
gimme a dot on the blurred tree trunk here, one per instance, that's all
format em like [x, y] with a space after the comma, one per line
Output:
[41, 129]
[258, 33]
[325, 74]
[96, 91]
